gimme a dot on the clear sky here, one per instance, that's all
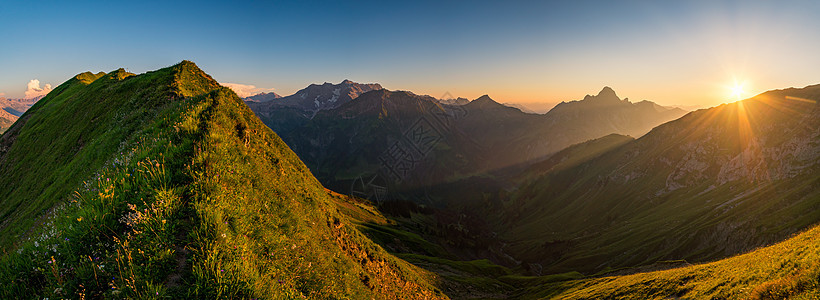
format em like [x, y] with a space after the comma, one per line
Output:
[671, 52]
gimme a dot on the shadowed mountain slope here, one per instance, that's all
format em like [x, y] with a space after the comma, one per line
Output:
[413, 142]
[713, 183]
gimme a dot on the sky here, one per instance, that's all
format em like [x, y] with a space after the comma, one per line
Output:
[672, 52]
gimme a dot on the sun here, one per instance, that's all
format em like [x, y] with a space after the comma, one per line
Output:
[737, 91]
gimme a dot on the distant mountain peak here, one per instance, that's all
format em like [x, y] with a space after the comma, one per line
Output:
[315, 98]
[605, 96]
[485, 102]
[484, 99]
[608, 92]
[263, 97]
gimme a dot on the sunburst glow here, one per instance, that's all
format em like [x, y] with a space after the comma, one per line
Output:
[737, 91]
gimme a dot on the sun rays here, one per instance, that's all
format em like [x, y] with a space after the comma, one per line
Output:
[737, 90]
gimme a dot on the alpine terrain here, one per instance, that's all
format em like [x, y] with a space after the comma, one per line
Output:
[166, 185]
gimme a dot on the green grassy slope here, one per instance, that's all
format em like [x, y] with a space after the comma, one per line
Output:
[790, 269]
[714, 183]
[169, 186]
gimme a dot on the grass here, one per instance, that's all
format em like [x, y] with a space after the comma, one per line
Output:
[790, 269]
[177, 191]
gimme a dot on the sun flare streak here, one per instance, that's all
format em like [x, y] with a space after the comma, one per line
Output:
[737, 91]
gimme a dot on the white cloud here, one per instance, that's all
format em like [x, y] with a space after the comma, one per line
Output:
[33, 89]
[245, 90]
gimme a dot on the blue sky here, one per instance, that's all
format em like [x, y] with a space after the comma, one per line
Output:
[516, 51]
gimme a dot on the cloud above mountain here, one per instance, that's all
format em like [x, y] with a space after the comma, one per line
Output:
[245, 90]
[33, 89]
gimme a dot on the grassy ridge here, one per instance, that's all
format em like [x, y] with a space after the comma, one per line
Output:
[52, 161]
[195, 198]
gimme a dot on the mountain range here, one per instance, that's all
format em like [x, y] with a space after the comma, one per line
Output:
[286, 113]
[263, 97]
[711, 184]
[167, 185]
[533, 107]
[695, 188]
[414, 142]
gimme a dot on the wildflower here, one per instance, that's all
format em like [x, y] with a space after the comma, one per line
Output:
[80, 219]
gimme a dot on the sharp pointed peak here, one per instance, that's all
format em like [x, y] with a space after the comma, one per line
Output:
[607, 92]
[606, 95]
[484, 102]
[484, 98]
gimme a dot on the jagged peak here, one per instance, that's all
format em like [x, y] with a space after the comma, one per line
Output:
[346, 83]
[605, 96]
[607, 92]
